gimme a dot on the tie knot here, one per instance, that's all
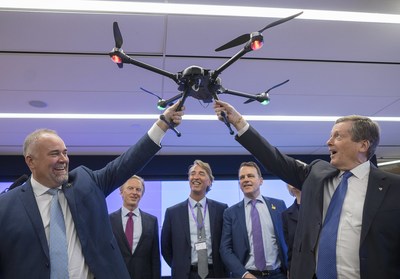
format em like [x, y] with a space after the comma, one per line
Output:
[347, 174]
[254, 202]
[198, 205]
[52, 191]
[130, 214]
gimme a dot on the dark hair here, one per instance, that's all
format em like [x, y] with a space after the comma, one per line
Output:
[363, 128]
[251, 164]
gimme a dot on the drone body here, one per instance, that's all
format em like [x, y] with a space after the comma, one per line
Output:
[195, 81]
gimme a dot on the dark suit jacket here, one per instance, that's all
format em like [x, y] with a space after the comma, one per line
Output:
[24, 252]
[289, 221]
[175, 238]
[145, 262]
[380, 233]
[235, 246]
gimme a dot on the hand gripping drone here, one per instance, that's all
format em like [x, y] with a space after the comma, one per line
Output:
[197, 82]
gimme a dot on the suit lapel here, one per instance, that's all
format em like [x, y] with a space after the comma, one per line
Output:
[146, 229]
[119, 233]
[272, 211]
[242, 223]
[376, 191]
[211, 214]
[28, 200]
[293, 212]
[184, 216]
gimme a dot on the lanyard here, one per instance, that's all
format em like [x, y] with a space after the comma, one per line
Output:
[199, 226]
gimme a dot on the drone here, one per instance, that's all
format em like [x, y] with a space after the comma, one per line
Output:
[197, 82]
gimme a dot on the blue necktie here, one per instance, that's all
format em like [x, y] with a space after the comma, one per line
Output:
[58, 242]
[258, 246]
[327, 243]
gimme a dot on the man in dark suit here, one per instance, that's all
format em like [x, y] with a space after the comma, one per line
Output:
[368, 238]
[92, 251]
[179, 243]
[239, 244]
[139, 246]
[289, 220]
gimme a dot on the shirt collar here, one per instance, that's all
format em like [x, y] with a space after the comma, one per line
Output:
[193, 202]
[39, 189]
[247, 200]
[360, 171]
[125, 211]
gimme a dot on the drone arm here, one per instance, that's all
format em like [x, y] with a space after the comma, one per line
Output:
[127, 59]
[153, 69]
[233, 59]
[164, 103]
[238, 93]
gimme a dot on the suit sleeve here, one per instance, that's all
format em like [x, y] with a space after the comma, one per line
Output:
[285, 227]
[286, 168]
[156, 262]
[166, 239]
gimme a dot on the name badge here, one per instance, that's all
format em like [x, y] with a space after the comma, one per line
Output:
[200, 245]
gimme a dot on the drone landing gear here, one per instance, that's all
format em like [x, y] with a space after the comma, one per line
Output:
[178, 108]
[225, 119]
[170, 125]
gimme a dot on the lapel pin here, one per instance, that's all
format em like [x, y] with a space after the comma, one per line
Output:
[380, 188]
[273, 207]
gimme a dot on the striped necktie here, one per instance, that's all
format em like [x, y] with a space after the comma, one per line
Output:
[57, 240]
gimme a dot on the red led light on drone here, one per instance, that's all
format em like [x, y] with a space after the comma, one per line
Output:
[116, 59]
[256, 44]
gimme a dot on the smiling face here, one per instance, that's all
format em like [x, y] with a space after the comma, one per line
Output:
[250, 181]
[48, 161]
[131, 193]
[345, 153]
[199, 181]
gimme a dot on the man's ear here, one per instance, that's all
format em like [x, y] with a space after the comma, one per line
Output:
[365, 144]
[29, 161]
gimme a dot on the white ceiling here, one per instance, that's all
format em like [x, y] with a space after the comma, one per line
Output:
[335, 68]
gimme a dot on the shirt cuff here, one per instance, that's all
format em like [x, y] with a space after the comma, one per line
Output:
[156, 134]
[243, 130]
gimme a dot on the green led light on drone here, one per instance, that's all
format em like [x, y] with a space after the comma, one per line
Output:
[264, 103]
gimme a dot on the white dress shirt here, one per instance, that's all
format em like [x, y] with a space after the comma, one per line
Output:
[193, 228]
[137, 224]
[271, 250]
[349, 230]
[77, 267]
